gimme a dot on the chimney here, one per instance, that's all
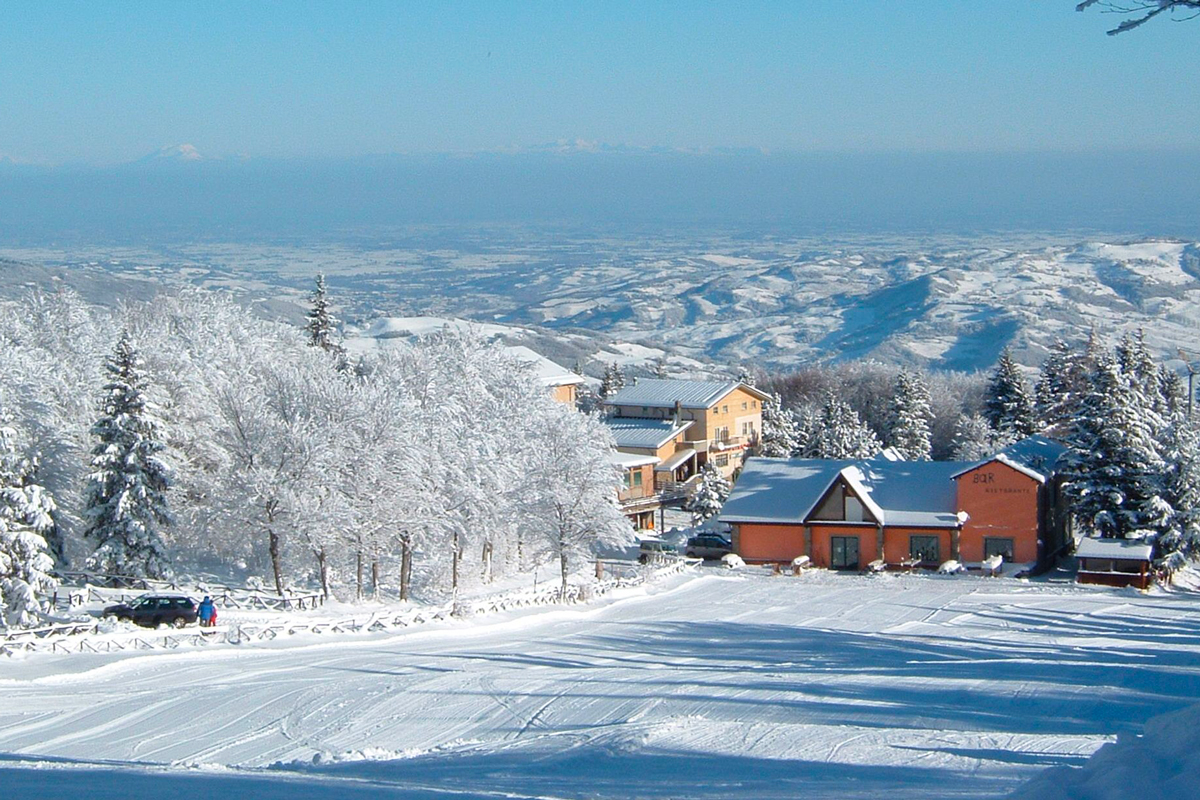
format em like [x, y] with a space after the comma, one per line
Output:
[678, 412]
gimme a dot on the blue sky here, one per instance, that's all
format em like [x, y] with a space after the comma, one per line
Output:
[101, 83]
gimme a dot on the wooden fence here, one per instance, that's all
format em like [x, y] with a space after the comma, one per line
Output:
[86, 637]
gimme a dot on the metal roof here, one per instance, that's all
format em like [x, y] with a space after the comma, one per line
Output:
[917, 493]
[644, 433]
[1113, 548]
[662, 393]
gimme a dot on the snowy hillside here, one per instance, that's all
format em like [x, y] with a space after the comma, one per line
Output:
[702, 299]
[723, 685]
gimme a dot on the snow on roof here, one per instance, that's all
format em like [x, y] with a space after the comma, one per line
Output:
[630, 460]
[648, 433]
[916, 493]
[662, 393]
[546, 371]
[779, 490]
[1113, 548]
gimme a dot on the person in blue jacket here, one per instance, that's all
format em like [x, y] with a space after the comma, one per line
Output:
[208, 612]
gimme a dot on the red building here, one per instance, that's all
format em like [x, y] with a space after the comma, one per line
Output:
[848, 514]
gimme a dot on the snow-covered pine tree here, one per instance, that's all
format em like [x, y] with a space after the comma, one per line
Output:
[909, 415]
[1180, 446]
[1008, 406]
[26, 522]
[612, 382]
[746, 376]
[126, 503]
[1113, 471]
[778, 438]
[321, 322]
[1173, 390]
[839, 433]
[706, 502]
[660, 367]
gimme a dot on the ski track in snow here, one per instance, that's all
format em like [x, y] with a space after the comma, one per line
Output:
[725, 685]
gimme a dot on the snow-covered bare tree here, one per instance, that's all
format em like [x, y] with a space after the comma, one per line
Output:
[908, 421]
[126, 507]
[975, 439]
[710, 495]
[26, 522]
[1009, 408]
[571, 498]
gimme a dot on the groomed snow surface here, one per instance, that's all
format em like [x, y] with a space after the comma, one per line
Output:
[720, 684]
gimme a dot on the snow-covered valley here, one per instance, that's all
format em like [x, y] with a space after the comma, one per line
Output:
[702, 299]
[709, 685]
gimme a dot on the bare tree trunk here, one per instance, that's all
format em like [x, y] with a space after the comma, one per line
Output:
[359, 575]
[323, 569]
[375, 578]
[562, 563]
[454, 567]
[276, 565]
[487, 562]
[520, 548]
[405, 568]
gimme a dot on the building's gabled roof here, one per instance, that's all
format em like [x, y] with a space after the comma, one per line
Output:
[1035, 456]
[644, 433]
[779, 490]
[662, 393]
[897, 493]
[1037, 453]
[546, 371]
[1113, 548]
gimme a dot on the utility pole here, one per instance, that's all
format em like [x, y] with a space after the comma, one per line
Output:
[1191, 377]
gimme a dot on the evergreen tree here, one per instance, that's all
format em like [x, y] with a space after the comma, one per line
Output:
[837, 432]
[321, 323]
[909, 415]
[778, 430]
[612, 382]
[1113, 470]
[1181, 491]
[710, 495]
[127, 490]
[660, 367]
[746, 376]
[1008, 407]
[26, 523]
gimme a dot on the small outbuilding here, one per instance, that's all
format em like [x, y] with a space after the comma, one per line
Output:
[1114, 562]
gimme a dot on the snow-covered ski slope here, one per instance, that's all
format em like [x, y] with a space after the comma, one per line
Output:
[725, 685]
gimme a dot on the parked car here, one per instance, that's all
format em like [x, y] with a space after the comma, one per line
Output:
[653, 550]
[152, 610]
[708, 545]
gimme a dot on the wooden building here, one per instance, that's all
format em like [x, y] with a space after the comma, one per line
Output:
[1113, 562]
[848, 514]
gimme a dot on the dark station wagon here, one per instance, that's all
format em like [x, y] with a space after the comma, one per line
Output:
[153, 610]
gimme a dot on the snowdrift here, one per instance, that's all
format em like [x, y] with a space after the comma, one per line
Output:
[1161, 764]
